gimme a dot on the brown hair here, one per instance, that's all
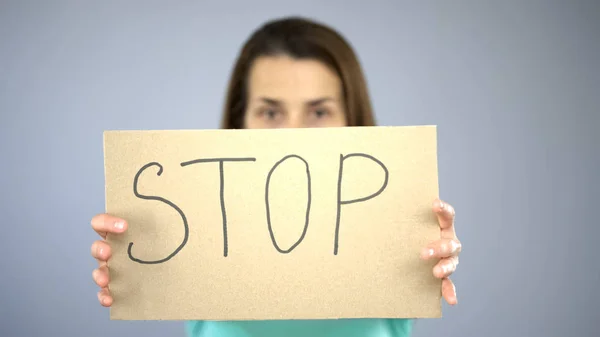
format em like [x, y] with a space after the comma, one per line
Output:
[302, 39]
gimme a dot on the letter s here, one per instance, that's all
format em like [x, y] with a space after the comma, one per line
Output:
[141, 196]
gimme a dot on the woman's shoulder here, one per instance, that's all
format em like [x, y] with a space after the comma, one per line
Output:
[291, 328]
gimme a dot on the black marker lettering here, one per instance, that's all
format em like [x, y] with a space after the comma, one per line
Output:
[185, 224]
[341, 202]
[268, 207]
[221, 189]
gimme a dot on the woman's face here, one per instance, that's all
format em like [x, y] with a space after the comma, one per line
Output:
[288, 93]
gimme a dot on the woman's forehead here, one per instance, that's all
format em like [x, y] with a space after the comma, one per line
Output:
[282, 77]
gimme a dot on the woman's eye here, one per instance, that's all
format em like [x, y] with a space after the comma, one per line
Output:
[270, 113]
[321, 113]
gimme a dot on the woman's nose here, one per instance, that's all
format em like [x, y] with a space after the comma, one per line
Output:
[295, 119]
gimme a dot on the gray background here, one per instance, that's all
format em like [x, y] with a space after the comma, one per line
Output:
[514, 87]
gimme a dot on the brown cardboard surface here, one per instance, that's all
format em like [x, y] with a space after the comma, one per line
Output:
[221, 227]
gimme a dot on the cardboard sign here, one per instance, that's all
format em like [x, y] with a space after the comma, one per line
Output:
[273, 224]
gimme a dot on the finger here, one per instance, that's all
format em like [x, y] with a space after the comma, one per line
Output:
[101, 250]
[445, 214]
[445, 267]
[104, 297]
[101, 276]
[105, 223]
[441, 248]
[449, 291]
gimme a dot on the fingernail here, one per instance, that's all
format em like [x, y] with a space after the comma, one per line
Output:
[427, 252]
[95, 274]
[442, 205]
[119, 225]
[453, 246]
[100, 251]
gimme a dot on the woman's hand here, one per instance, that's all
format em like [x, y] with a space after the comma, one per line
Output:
[104, 224]
[446, 249]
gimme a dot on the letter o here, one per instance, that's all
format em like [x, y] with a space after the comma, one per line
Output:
[270, 226]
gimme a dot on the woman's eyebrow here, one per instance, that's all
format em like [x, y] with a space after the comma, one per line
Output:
[319, 101]
[270, 101]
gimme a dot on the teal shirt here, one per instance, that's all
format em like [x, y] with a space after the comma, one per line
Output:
[301, 328]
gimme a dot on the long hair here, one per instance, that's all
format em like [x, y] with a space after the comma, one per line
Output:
[299, 38]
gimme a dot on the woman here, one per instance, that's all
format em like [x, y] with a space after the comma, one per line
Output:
[295, 73]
